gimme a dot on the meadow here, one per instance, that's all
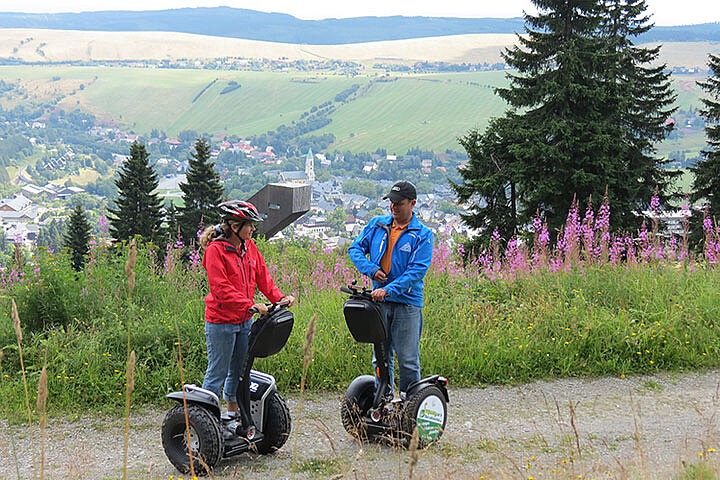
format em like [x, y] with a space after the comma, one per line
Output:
[594, 304]
[395, 112]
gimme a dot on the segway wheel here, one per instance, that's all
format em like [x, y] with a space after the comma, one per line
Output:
[355, 405]
[277, 425]
[425, 411]
[206, 441]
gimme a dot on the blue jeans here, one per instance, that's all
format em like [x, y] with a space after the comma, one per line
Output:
[227, 349]
[403, 324]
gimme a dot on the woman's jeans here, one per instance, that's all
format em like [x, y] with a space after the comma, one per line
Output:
[227, 349]
[403, 324]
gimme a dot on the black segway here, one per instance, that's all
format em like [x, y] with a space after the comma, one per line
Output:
[368, 413]
[263, 421]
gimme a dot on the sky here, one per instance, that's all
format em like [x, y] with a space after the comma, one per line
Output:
[665, 12]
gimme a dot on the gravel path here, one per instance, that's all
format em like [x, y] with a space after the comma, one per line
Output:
[640, 427]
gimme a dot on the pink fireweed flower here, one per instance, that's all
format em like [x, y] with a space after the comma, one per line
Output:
[195, 259]
[537, 223]
[103, 225]
[655, 202]
[201, 227]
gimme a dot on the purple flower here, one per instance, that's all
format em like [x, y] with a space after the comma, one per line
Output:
[655, 203]
[103, 225]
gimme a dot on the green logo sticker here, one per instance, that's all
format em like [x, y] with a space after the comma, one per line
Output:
[430, 418]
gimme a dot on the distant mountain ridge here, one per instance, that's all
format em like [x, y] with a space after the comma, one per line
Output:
[284, 28]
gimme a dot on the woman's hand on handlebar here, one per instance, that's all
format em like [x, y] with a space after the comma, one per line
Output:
[260, 308]
[290, 300]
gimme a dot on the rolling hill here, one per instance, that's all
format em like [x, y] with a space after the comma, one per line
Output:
[395, 113]
[57, 46]
[283, 28]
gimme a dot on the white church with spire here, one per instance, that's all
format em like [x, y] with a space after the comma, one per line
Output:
[307, 176]
[310, 166]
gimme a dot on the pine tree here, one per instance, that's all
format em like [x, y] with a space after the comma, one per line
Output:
[137, 209]
[202, 192]
[585, 112]
[706, 185]
[77, 237]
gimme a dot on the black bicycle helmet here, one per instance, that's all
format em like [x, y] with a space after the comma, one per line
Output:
[240, 211]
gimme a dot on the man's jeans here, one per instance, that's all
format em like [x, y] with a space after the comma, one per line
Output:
[403, 324]
[227, 348]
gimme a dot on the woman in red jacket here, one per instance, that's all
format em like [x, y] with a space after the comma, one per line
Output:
[234, 268]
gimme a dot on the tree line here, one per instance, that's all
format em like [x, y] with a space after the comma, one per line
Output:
[138, 210]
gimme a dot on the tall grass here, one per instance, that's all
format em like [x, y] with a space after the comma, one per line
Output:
[593, 304]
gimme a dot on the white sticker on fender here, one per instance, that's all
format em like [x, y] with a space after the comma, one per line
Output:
[430, 418]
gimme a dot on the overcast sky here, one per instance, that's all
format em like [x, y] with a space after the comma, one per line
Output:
[665, 12]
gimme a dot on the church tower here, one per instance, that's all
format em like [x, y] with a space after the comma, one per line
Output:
[310, 166]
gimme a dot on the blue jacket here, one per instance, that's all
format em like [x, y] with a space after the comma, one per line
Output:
[411, 258]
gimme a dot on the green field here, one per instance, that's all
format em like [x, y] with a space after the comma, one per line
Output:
[429, 111]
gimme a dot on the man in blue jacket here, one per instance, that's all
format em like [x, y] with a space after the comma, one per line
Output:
[395, 251]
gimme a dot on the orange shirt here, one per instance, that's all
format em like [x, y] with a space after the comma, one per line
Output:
[386, 260]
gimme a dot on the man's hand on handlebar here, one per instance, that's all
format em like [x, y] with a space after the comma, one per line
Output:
[378, 295]
[380, 276]
[290, 300]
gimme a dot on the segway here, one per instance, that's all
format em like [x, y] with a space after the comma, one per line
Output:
[263, 421]
[368, 413]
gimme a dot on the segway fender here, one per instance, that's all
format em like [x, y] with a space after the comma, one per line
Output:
[437, 380]
[359, 385]
[199, 396]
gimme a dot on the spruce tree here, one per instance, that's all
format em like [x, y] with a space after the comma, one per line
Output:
[137, 209]
[77, 237]
[585, 110]
[201, 193]
[489, 182]
[643, 101]
[706, 185]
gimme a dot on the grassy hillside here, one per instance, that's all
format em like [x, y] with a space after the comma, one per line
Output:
[429, 111]
[423, 111]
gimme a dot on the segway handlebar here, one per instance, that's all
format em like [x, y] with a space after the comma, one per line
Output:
[283, 303]
[354, 289]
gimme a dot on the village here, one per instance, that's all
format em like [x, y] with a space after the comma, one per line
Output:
[336, 215]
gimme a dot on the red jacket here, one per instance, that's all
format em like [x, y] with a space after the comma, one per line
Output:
[233, 278]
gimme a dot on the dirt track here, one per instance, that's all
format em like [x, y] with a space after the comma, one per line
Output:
[641, 427]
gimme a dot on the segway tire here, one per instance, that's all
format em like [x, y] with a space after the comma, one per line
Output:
[206, 439]
[277, 426]
[425, 411]
[355, 404]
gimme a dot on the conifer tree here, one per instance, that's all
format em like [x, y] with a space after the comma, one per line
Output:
[201, 193]
[137, 209]
[52, 235]
[77, 237]
[706, 185]
[585, 110]
[489, 182]
[643, 101]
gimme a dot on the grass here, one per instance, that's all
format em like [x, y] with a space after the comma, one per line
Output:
[429, 111]
[595, 321]
[321, 467]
